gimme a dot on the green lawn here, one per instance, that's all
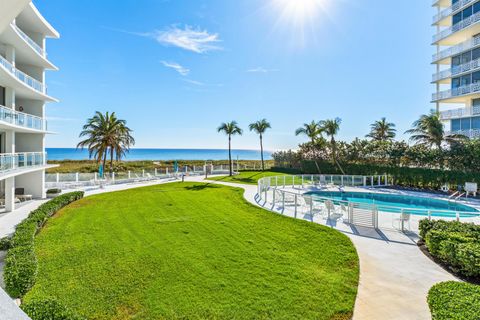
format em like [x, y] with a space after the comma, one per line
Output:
[192, 251]
[247, 177]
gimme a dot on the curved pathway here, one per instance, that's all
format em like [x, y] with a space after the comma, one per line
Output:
[395, 276]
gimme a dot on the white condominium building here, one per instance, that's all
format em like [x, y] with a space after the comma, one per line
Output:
[457, 60]
[23, 95]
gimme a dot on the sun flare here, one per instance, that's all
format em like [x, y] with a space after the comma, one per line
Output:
[300, 8]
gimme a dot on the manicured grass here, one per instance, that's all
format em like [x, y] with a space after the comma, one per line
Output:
[247, 177]
[192, 251]
[454, 300]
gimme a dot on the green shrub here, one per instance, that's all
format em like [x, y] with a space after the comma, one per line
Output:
[454, 301]
[448, 247]
[434, 239]
[20, 270]
[468, 257]
[53, 191]
[21, 264]
[5, 243]
[424, 226]
[48, 309]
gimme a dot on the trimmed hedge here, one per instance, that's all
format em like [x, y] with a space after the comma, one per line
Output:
[402, 176]
[4, 244]
[49, 309]
[454, 301]
[456, 244]
[20, 263]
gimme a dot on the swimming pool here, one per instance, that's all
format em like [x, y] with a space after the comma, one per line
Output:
[395, 203]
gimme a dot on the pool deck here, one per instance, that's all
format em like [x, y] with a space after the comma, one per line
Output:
[395, 276]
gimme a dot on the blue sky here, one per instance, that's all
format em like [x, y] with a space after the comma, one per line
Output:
[176, 69]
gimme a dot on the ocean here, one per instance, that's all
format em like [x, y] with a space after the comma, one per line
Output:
[162, 154]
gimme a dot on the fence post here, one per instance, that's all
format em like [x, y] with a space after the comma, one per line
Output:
[95, 177]
[273, 198]
[371, 181]
[113, 177]
[458, 216]
[76, 177]
[302, 181]
[429, 215]
[296, 205]
[364, 181]
[156, 172]
[283, 182]
[311, 208]
[266, 190]
[143, 173]
[386, 180]
[341, 180]
[129, 174]
[402, 221]
[58, 177]
[293, 182]
[350, 213]
[283, 201]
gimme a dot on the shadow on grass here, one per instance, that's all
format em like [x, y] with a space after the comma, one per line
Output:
[200, 187]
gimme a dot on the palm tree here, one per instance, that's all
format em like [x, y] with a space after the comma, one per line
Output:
[311, 130]
[331, 129]
[230, 129]
[382, 130]
[428, 130]
[105, 133]
[260, 127]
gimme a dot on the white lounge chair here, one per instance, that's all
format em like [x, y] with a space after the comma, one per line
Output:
[403, 218]
[471, 188]
[312, 206]
[332, 212]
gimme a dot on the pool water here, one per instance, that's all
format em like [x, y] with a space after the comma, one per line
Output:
[395, 203]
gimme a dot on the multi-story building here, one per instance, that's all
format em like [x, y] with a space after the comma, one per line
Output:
[23, 95]
[457, 60]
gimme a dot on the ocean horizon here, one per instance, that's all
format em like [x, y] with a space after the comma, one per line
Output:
[142, 154]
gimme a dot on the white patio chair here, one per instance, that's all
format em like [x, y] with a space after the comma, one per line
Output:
[402, 217]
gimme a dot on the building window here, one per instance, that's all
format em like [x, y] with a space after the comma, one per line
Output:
[465, 123]
[2, 96]
[476, 123]
[456, 125]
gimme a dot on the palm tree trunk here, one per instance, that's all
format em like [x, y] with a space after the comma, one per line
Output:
[261, 152]
[111, 160]
[230, 155]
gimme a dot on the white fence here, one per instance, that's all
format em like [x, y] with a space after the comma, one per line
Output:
[286, 195]
[79, 180]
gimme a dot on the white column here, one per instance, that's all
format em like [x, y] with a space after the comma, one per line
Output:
[9, 141]
[10, 194]
[10, 54]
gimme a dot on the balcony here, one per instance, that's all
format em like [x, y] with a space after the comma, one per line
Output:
[472, 133]
[27, 39]
[451, 10]
[457, 27]
[454, 50]
[460, 113]
[18, 161]
[448, 73]
[23, 77]
[22, 119]
[460, 91]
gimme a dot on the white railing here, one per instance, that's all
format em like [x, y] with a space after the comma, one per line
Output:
[460, 113]
[288, 195]
[472, 133]
[21, 160]
[454, 50]
[446, 94]
[448, 73]
[451, 10]
[23, 77]
[457, 27]
[22, 119]
[29, 40]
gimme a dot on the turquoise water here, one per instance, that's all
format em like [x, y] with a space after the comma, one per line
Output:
[163, 154]
[395, 203]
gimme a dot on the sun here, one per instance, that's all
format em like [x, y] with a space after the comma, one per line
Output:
[301, 19]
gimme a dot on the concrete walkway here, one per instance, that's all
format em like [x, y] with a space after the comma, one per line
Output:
[395, 276]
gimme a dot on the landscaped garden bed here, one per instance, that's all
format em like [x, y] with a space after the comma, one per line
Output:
[191, 251]
[456, 247]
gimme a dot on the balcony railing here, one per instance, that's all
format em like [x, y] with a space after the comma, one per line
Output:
[457, 27]
[471, 133]
[448, 73]
[29, 40]
[450, 10]
[460, 113]
[451, 51]
[25, 160]
[460, 91]
[22, 119]
[23, 77]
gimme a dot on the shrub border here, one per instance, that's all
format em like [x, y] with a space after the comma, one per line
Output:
[21, 264]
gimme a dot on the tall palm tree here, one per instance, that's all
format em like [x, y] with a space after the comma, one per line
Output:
[105, 133]
[260, 127]
[331, 129]
[428, 130]
[382, 130]
[311, 130]
[230, 129]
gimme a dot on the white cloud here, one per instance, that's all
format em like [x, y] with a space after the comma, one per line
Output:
[197, 83]
[187, 38]
[177, 67]
[261, 70]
